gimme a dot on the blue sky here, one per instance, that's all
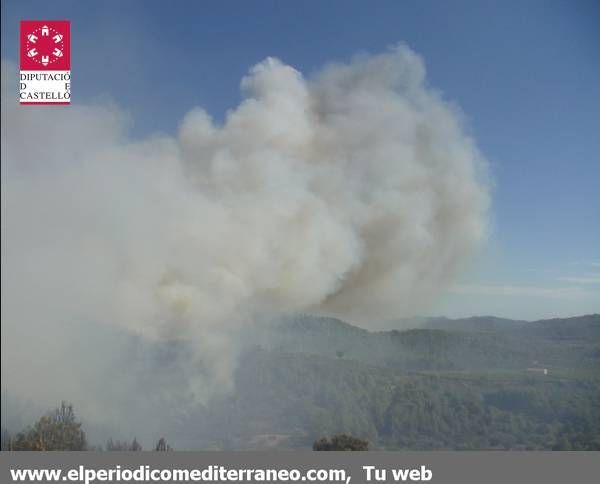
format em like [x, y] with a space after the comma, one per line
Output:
[526, 75]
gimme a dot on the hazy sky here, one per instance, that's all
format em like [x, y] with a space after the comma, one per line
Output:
[525, 74]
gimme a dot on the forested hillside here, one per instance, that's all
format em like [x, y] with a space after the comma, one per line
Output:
[452, 384]
[467, 344]
[477, 383]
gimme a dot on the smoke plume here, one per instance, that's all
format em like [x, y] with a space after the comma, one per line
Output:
[355, 193]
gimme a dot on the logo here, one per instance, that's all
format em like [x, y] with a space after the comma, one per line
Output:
[45, 62]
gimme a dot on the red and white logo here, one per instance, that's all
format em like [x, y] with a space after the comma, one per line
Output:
[45, 62]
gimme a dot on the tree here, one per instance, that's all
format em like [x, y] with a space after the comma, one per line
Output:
[6, 440]
[59, 430]
[135, 446]
[115, 445]
[123, 446]
[341, 442]
[162, 445]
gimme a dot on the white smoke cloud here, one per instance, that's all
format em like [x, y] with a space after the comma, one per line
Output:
[355, 193]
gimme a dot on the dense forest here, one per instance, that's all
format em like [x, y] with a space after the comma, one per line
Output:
[477, 383]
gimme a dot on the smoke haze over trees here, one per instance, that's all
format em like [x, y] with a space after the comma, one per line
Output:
[354, 192]
[449, 384]
[153, 282]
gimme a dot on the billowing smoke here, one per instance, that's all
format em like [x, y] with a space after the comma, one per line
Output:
[355, 193]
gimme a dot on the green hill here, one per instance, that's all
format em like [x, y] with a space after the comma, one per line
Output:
[476, 383]
[415, 389]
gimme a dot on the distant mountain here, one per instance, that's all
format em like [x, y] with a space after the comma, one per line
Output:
[449, 384]
[583, 327]
[440, 343]
[475, 323]
[578, 325]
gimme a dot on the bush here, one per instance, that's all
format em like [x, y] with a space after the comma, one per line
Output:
[58, 430]
[341, 442]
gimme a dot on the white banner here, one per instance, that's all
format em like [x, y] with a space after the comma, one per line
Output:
[45, 87]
